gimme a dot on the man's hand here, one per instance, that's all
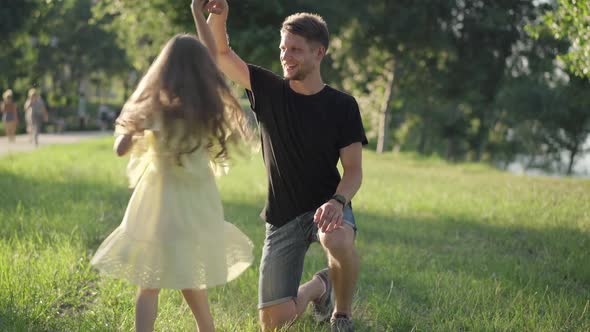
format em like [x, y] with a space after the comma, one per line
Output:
[211, 6]
[197, 5]
[329, 216]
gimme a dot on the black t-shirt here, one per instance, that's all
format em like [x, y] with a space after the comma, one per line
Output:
[301, 138]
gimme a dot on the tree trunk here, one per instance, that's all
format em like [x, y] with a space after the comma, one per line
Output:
[482, 141]
[125, 89]
[482, 134]
[452, 148]
[385, 113]
[424, 135]
[99, 91]
[570, 165]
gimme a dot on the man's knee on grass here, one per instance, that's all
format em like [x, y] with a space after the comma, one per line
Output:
[274, 317]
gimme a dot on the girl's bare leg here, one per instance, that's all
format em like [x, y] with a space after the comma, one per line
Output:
[198, 302]
[146, 309]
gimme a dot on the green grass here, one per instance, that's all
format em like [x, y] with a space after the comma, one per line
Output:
[444, 247]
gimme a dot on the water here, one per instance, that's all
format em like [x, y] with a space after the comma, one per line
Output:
[581, 167]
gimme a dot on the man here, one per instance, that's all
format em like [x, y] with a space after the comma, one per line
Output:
[306, 126]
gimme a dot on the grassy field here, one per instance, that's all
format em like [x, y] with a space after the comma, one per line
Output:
[444, 247]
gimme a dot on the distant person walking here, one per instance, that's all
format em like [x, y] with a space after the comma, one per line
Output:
[105, 117]
[35, 115]
[9, 115]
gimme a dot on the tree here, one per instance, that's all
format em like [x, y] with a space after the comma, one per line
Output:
[569, 20]
[484, 35]
[16, 53]
[381, 46]
[56, 41]
[544, 107]
[71, 47]
[547, 116]
[142, 27]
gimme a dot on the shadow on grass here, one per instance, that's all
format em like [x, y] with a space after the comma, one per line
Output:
[48, 208]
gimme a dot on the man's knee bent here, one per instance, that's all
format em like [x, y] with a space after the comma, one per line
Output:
[340, 241]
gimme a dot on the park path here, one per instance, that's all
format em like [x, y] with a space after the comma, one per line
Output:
[22, 143]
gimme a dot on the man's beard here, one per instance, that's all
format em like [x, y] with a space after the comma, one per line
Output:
[300, 74]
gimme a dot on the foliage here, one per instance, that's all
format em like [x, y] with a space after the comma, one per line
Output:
[430, 77]
[569, 21]
[58, 44]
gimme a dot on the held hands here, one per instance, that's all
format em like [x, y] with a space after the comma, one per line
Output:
[329, 216]
[211, 6]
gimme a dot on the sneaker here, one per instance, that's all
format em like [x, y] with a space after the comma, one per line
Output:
[341, 323]
[322, 308]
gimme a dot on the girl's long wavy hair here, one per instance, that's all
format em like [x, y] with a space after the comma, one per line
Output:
[183, 83]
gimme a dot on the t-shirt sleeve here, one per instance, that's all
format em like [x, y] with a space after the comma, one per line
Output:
[352, 129]
[264, 85]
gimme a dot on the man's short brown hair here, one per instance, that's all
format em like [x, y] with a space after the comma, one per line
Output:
[312, 27]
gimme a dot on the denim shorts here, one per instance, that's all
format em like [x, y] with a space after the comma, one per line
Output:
[283, 253]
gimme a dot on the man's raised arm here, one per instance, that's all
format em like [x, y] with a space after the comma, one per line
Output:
[228, 61]
[203, 31]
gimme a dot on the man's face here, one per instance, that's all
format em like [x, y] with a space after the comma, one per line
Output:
[298, 57]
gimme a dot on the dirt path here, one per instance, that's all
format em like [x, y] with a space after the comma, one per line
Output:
[22, 143]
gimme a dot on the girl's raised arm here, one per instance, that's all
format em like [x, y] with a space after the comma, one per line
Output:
[203, 31]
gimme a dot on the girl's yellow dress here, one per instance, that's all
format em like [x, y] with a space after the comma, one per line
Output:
[173, 234]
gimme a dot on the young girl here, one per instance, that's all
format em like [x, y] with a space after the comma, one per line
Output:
[173, 234]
